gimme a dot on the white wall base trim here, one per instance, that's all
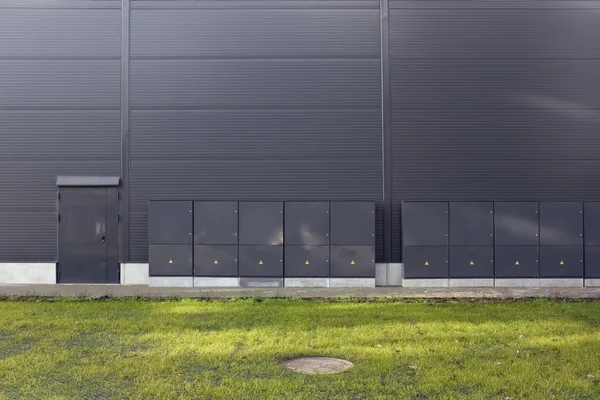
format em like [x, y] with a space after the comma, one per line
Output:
[351, 282]
[27, 273]
[479, 282]
[216, 282]
[135, 274]
[425, 283]
[517, 282]
[561, 282]
[171, 281]
[306, 282]
[389, 274]
[592, 282]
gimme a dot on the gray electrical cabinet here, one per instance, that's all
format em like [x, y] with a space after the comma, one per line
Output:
[561, 223]
[516, 223]
[517, 262]
[352, 261]
[215, 260]
[306, 261]
[471, 223]
[591, 216]
[216, 222]
[261, 223]
[170, 222]
[352, 251]
[592, 262]
[170, 260]
[306, 239]
[352, 223]
[561, 262]
[425, 223]
[215, 238]
[471, 262]
[425, 262]
[307, 223]
[170, 238]
[261, 261]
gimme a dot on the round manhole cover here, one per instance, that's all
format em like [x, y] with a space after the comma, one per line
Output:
[318, 365]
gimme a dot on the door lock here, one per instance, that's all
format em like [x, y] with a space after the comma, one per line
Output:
[103, 239]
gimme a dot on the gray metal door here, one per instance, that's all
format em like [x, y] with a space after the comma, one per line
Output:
[87, 235]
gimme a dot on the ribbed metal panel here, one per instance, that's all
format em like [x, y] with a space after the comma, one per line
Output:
[494, 100]
[68, 84]
[39, 33]
[255, 83]
[304, 135]
[447, 32]
[59, 112]
[269, 33]
[502, 83]
[254, 102]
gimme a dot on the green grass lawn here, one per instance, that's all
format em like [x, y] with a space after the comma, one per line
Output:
[233, 350]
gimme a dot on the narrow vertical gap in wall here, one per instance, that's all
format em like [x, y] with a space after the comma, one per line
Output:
[386, 138]
[125, 204]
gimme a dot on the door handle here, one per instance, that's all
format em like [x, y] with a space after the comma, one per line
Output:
[103, 239]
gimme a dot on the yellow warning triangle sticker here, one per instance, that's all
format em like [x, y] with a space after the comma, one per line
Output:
[352, 263]
[426, 263]
[471, 263]
[307, 263]
[517, 263]
[260, 262]
[171, 261]
[562, 262]
[216, 262]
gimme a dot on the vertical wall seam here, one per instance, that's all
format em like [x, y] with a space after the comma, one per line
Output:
[125, 168]
[386, 139]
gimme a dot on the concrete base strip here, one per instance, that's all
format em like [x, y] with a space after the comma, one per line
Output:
[485, 282]
[592, 282]
[216, 282]
[28, 273]
[306, 282]
[561, 282]
[261, 282]
[172, 281]
[352, 282]
[517, 282]
[307, 293]
[425, 283]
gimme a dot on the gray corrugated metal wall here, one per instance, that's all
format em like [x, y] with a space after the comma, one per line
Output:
[59, 112]
[494, 100]
[282, 99]
[253, 100]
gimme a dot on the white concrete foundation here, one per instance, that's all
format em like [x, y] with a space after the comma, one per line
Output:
[216, 282]
[351, 282]
[389, 274]
[135, 274]
[381, 272]
[261, 282]
[517, 282]
[27, 273]
[592, 283]
[561, 282]
[425, 283]
[171, 281]
[395, 274]
[485, 282]
[306, 282]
